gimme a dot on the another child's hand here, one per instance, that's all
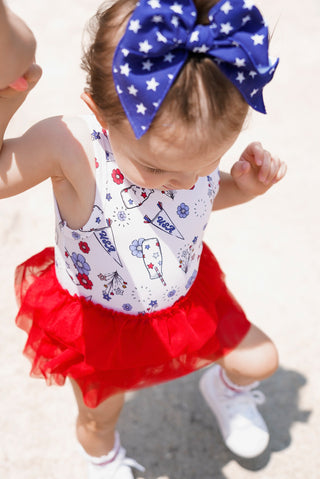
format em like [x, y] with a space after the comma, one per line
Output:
[18, 95]
[257, 170]
[17, 46]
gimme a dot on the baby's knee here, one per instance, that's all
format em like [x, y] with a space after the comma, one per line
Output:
[265, 361]
[256, 357]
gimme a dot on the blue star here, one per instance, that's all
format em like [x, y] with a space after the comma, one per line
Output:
[106, 296]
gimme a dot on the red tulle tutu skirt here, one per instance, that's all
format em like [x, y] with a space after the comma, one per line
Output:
[107, 352]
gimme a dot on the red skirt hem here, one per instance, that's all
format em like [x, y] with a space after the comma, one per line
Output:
[106, 351]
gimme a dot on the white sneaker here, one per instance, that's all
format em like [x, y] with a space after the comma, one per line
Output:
[114, 465]
[242, 427]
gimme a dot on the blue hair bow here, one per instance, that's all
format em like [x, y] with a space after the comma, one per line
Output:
[157, 42]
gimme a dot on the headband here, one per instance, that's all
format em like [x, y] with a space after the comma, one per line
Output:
[161, 34]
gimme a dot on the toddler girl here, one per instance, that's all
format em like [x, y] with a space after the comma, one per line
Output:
[130, 296]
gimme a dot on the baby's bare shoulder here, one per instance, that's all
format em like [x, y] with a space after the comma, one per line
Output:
[75, 149]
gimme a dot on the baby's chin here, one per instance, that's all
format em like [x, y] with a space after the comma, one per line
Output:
[149, 186]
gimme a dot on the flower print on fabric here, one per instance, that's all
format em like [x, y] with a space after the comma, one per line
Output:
[121, 217]
[183, 210]
[136, 247]
[117, 176]
[127, 307]
[84, 247]
[84, 281]
[81, 277]
[171, 293]
[164, 222]
[80, 263]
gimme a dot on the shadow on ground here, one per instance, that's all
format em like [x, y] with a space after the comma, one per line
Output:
[172, 432]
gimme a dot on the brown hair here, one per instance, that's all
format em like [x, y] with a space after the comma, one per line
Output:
[200, 94]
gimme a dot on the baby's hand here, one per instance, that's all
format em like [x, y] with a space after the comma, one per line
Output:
[257, 170]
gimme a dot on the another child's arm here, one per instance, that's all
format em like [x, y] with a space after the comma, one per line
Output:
[255, 172]
[17, 47]
[47, 149]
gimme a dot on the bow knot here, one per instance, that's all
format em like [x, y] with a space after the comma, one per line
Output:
[161, 35]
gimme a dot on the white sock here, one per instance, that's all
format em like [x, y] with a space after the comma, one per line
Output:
[235, 387]
[106, 459]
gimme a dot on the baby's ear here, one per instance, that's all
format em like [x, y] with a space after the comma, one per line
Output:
[86, 97]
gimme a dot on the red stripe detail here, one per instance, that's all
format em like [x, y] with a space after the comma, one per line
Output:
[105, 463]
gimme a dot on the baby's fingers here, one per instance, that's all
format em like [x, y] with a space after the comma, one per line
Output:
[265, 167]
[281, 172]
[274, 165]
[277, 171]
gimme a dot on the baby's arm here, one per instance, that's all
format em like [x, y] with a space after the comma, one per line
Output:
[17, 47]
[255, 172]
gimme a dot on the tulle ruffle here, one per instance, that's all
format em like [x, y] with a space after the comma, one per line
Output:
[107, 351]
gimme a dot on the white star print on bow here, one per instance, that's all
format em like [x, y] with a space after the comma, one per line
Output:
[161, 35]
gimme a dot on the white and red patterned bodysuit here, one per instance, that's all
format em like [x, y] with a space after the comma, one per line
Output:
[140, 249]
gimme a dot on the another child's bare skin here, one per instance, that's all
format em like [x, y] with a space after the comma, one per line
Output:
[17, 47]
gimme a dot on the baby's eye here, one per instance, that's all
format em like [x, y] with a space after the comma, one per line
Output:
[155, 171]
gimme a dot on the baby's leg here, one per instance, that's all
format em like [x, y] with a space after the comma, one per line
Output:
[96, 427]
[229, 391]
[254, 359]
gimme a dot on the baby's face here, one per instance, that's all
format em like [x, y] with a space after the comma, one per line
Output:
[165, 164]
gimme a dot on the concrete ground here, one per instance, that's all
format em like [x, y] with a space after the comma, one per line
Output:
[268, 248]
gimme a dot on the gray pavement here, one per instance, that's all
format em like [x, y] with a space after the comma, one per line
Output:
[268, 248]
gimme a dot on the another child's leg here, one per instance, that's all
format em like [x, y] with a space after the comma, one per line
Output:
[228, 389]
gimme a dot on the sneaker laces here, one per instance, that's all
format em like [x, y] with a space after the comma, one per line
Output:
[244, 402]
[123, 460]
[116, 457]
